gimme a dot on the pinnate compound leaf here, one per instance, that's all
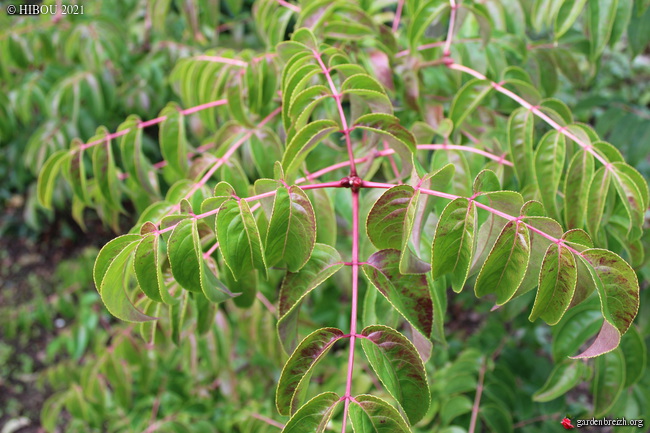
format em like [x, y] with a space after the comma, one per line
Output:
[453, 242]
[409, 294]
[324, 262]
[304, 141]
[557, 284]
[239, 238]
[506, 265]
[314, 416]
[386, 219]
[370, 414]
[292, 230]
[112, 288]
[397, 363]
[296, 370]
[618, 289]
[562, 379]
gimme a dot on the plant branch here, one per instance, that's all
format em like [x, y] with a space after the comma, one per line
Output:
[289, 5]
[398, 14]
[267, 420]
[477, 397]
[450, 32]
[344, 123]
[534, 109]
[151, 122]
[355, 301]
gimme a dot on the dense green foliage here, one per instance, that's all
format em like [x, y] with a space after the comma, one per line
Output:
[448, 159]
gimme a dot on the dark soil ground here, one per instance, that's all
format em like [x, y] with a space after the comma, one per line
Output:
[28, 262]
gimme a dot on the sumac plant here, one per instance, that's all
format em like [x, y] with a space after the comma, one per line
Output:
[403, 149]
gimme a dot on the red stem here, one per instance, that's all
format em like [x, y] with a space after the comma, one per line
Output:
[477, 398]
[151, 122]
[398, 14]
[344, 123]
[450, 32]
[289, 5]
[355, 302]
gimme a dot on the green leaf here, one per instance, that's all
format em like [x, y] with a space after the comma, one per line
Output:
[397, 363]
[304, 103]
[75, 171]
[47, 177]
[496, 418]
[549, 165]
[304, 141]
[133, 158]
[173, 143]
[557, 284]
[399, 138]
[618, 289]
[386, 219]
[409, 294]
[505, 267]
[105, 171]
[292, 229]
[453, 242]
[422, 19]
[567, 15]
[369, 90]
[596, 202]
[181, 251]
[608, 382]
[601, 15]
[467, 99]
[369, 414]
[146, 265]
[579, 176]
[632, 199]
[314, 416]
[324, 262]
[112, 288]
[297, 369]
[108, 253]
[564, 377]
[635, 353]
[239, 238]
[520, 142]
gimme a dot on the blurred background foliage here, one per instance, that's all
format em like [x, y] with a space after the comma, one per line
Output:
[66, 365]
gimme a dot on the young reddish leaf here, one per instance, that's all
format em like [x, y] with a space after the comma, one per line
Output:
[576, 184]
[299, 366]
[372, 414]
[506, 265]
[549, 165]
[303, 142]
[409, 294]
[396, 362]
[618, 289]
[608, 382]
[467, 99]
[292, 230]
[520, 142]
[315, 415]
[557, 283]
[239, 238]
[112, 288]
[453, 242]
[562, 379]
[324, 262]
[386, 219]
